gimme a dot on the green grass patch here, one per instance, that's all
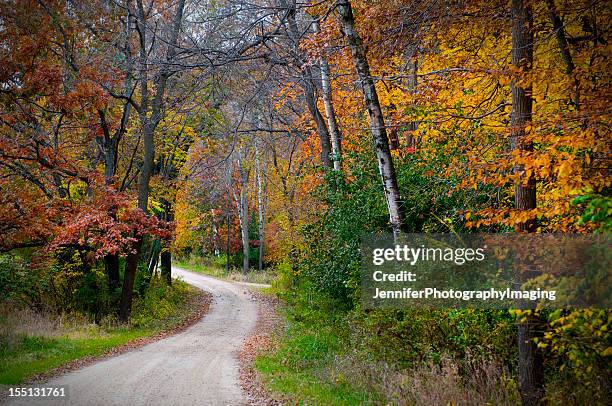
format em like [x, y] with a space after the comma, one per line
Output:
[25, 352]
[302, 366]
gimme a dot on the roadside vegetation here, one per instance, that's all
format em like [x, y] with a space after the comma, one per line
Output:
[34, 342]
[334, 352]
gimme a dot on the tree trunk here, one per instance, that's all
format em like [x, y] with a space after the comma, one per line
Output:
[334, 130]
[243, 212]
[127, 292]
[166, 252]
[531, 361]
[262, 190]
[244, 228]
[150, 114]
[311, 102]
[228, 246]
[111, 266]
[166, 265]
[377, 122]
[413, 66]
[531, 376]
[155, 250]
[564, 48]
[215, 234]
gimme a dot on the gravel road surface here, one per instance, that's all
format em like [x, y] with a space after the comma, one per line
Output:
[198, 366]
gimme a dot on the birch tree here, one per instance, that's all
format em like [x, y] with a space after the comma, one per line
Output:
[332, 122]
[377, 122]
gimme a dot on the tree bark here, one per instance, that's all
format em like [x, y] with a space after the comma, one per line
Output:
[243, 211]
[262, 191]
[377, 122]
[531, 367]
[412, 82]
[228, 246]
[215, 233]
[311, 102]
[166, 253]
[166, 265]
[153, 260]
[330, 112]
[127, 291]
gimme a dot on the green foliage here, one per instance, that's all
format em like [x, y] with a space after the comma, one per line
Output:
[579, 349]
[159, 303]
[66, 284]
[331, 259]
[430, 335]
[597, 210]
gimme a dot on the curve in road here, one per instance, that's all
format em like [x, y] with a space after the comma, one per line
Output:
[198, 366]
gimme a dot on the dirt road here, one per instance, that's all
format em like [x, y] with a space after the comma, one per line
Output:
[195, 367]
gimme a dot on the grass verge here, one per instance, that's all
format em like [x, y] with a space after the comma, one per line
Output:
[321, 359]
[32, 344]
[301, 366]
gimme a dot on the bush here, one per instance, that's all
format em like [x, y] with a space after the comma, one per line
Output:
[64, 283]
[160, 302]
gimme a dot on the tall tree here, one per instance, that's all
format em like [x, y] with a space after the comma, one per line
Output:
[242, 204]
[377, 121]
[328, 103]
[531, 368]
[262, 197]
[308, 84]
[150, 112]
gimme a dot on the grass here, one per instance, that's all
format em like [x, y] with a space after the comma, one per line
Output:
[206, 267]
[299, 370]
[31, 343]
[302, 366]
[316, 360]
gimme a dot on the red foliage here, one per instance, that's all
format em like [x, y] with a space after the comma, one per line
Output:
[109, 224]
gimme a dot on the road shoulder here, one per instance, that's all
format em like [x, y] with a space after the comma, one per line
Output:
[269, 321]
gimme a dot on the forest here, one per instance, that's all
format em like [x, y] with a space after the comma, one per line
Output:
[260, 140]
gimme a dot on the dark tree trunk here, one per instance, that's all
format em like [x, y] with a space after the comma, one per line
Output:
[564, 48]
[111, 266]
[412, 84]
[166, 266]
[377, 122]
[166, 253]
[531, 361]
[311, 101]
[531, 368]
[150, 113]
[127, 292]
